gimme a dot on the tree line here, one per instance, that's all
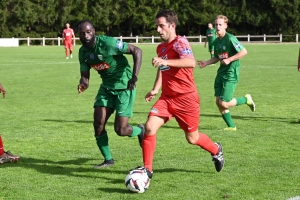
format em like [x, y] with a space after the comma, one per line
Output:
[46, 18]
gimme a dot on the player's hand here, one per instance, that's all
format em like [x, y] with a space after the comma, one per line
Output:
[81, 88]
[201, 63]
[150, 95]
[225, 61]
[204, 45]
[3, 93]
[156, 62]
[131, 82]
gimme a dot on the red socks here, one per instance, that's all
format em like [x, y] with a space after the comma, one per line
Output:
[205, 143]
[1, 146]
[149, 145]
[67, 52]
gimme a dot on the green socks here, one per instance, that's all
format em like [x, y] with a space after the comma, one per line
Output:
[228, 119]
[241, 100]
[135, 131]
[102, 142]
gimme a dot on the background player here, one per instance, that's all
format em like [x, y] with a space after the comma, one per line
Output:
[179, 98]
[117, 91]
[6, 156]
[228, 50]
[2, 90]
[210, 38]
[68, 40]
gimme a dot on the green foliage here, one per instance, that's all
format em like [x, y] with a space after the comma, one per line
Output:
[136, 17]
[50, 126]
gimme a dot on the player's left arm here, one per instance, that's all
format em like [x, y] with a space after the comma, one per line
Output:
[136, 53]
[73, 36]
[240, 49]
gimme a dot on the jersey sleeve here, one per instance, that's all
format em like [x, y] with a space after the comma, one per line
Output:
[236, 44]
[183, 48]
[83, 66]
[115, 46]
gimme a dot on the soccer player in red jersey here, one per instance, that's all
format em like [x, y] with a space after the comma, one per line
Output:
[179, 97]
[68, 37]
[5, 156]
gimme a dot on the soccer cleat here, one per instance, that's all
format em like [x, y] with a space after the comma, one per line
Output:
[8, 157]
[250, 102]
[141, 135]
[106, 163]
[230, 129]
[67, 57]
[218, 159]
[71, 56]
[150, 174]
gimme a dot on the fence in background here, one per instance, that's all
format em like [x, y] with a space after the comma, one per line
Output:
[153, 39]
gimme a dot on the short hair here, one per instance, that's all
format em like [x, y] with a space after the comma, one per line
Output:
[84, 21]
[171, 17]
[222, 17]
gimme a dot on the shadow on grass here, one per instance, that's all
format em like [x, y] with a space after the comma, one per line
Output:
[277, 119]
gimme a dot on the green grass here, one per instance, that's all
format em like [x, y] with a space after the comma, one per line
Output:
[49, 125]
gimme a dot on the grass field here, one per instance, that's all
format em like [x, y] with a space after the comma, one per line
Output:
[49, 125]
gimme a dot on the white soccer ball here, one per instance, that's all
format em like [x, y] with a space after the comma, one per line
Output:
[137, 181]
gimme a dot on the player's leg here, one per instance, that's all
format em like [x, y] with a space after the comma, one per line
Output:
[123, 102]
[6, 156]
[158, 115]
[71, 49]
[224, 100]
[66, 50]
[187, 111]
[211, 51]
[149, 143]
[101, 115]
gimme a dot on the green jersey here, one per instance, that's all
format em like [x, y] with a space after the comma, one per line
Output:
[106, 57]
[211, 35]
[225, 48]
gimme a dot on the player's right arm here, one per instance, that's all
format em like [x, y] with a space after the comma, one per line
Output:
[157, 84]
[84, 73]
[84, 81]
[203, 64]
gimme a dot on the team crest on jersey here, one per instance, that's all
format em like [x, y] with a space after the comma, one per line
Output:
[163, 49]
[120, 44]
[92, 56]
[224, 47]
[100, 57]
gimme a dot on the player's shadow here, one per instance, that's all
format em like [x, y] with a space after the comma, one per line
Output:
[157, 171]
[256, 118]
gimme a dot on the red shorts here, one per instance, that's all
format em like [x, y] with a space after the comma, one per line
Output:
[185, 108]
[68, 44]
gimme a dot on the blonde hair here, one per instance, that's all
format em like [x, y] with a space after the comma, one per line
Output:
[222, 17]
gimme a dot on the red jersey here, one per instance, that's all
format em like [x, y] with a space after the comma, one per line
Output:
[68, 34]
[176, 81]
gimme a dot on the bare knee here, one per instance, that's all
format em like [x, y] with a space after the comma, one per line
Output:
[121, 130]
[99, 128]
[192, 138]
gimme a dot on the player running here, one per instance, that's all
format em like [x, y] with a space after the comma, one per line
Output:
[179, 98]
[68, 40]
[117, 91]
[210, 38]
[228, 50]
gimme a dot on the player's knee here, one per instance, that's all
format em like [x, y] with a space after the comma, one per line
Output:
[121, 131]
[149, 129]
[99, 128]
[192, 140]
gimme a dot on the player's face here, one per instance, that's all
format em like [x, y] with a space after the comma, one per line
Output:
[210, 26]
[166, 30]
[87, 35]
[220, 26]
[67, 25]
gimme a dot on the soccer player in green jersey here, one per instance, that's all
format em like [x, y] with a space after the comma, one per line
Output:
[210, 38]
[228, 50]
[117, 91]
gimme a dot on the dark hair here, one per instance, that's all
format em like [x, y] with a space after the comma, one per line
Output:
[84, 21]
[171, 17]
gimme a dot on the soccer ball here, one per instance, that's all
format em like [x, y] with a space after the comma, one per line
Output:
[137, 180]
